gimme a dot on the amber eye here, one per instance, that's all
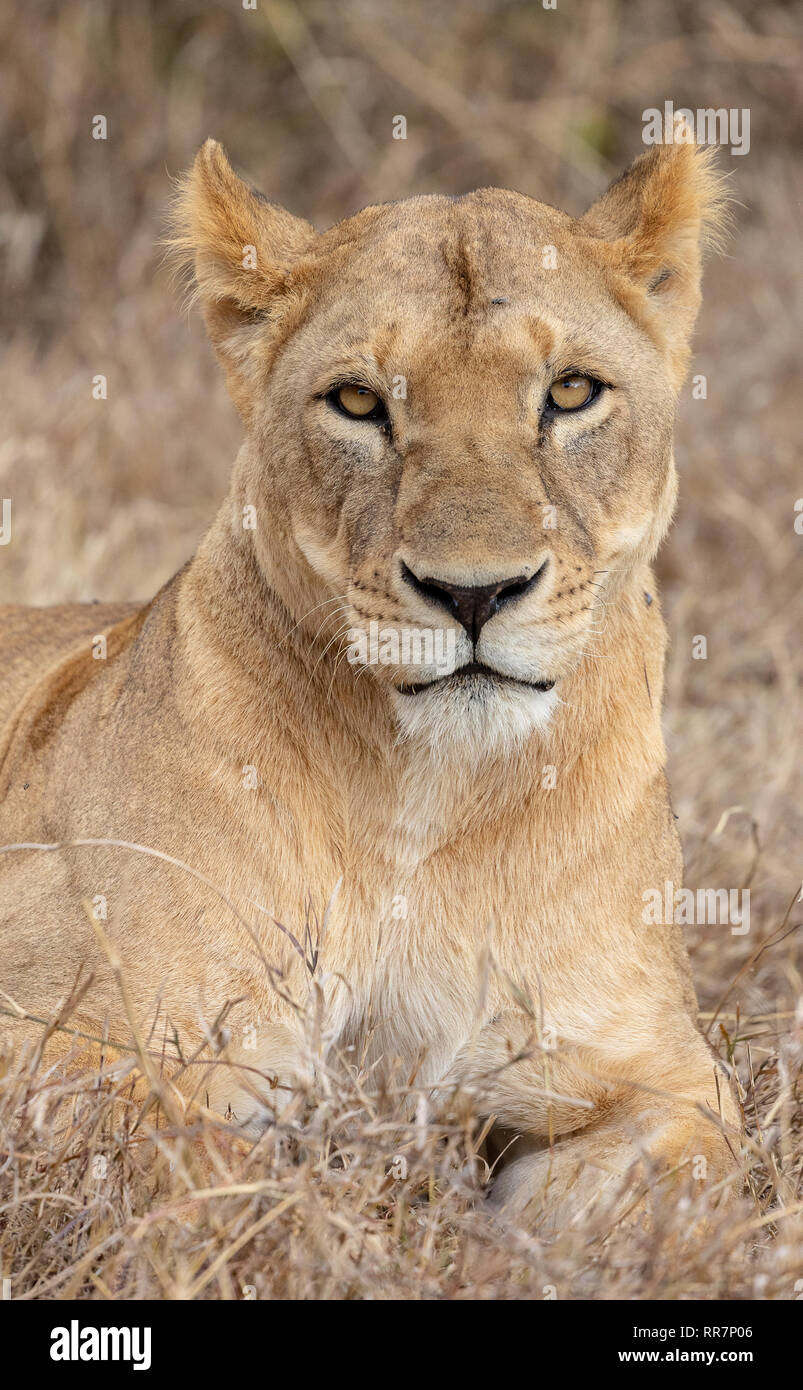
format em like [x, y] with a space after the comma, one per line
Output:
[359, 401]
[570, 392]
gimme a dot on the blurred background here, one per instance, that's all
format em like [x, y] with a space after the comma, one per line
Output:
[110, 497]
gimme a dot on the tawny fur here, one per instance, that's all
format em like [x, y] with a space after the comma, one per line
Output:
[457, 873]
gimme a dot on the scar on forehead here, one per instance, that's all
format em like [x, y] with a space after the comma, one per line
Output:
[460, 265]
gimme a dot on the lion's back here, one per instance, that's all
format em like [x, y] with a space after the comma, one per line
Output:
[33, 639]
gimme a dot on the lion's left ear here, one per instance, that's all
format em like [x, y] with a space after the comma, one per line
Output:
[657, 220]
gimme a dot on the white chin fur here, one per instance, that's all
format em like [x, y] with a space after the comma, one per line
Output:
[486, 715]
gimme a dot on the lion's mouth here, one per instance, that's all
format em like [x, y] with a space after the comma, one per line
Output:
[470, 671]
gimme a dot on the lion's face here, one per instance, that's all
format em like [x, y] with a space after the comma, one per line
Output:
[483, 440]
[460, 417]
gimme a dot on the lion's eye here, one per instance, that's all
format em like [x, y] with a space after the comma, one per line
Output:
[570, 392]
[359, 401]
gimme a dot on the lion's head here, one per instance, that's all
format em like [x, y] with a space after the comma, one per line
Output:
[459, 414]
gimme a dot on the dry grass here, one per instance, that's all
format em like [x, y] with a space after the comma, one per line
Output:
[350, 1198]
[110, 497]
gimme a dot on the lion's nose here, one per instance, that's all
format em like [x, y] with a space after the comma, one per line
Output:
[472, 605]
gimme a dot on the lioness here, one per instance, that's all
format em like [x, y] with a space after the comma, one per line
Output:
[458, 416]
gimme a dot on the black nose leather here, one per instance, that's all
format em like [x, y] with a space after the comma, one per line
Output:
[472, 605]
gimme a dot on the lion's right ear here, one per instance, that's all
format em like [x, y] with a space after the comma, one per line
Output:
[240, 248]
